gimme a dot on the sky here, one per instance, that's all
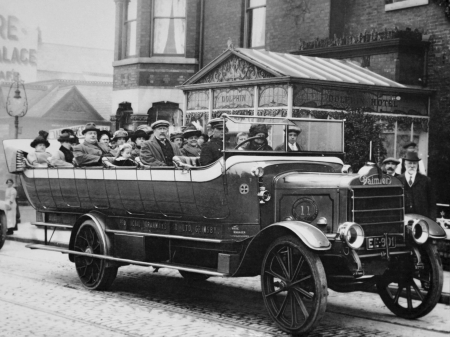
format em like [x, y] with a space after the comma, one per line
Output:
[84, 23]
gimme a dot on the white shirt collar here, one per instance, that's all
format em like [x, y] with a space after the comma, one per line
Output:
[413, 176]
[293, 147]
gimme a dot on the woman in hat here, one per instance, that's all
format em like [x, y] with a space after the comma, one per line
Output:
[138, 138]
[203, 139]
[259, 144]
[40, 156]
[191, 148]
[64, 156]
[10, 206]
[104, 137]
[123, 157]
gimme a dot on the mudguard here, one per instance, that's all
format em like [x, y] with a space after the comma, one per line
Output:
[99, 220]
[311, 236]
[436, 231]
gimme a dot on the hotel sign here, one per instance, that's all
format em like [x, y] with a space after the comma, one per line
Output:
[368, 101]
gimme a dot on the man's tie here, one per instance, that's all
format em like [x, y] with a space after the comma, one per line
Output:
[410, 181]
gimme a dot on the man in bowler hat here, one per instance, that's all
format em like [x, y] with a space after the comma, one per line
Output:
[91, 152]
[419, 195]
[389, 166]
[409, 147]
[212, 150]
[158, 150]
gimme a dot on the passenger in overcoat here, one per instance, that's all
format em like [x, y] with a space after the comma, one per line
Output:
[419, 194]
[39, 157]
[212, 150]
[158, 150]
[91, 152]
[191, 148]
[138, 138]
[293, 145]
[65, 153]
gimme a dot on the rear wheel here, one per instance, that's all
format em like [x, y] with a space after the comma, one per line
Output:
[93, 273]
[412, 293]
[3, 229]
[193, 276]
[294, 285]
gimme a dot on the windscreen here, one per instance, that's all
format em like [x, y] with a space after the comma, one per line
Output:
[283, 135]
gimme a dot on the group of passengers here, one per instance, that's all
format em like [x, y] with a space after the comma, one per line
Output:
[150, 145]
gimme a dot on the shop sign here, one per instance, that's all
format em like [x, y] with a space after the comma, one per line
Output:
[233, 98]
[18, 48]
[373, 101]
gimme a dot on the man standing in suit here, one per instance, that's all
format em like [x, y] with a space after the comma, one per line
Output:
[389, 166]
[419, 196]
[158, 150]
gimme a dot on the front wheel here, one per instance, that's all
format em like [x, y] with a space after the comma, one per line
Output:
[93, 273]
[294, 285]
[412, 293]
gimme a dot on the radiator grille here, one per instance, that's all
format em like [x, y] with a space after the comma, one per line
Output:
[378, 209]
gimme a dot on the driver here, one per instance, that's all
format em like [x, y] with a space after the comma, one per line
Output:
[259, 144]
[212, 150]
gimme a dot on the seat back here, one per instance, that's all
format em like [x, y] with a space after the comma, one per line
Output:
[193, 161]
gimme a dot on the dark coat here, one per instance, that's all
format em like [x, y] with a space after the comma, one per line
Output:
[211, 151]
[259, 147]
[152, 154]
[190, 151]
[283, 146]
[419, 198]
[124, 162]
[88, 154]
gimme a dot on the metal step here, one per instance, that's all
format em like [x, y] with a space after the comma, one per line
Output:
[206, 271]
[46, 224]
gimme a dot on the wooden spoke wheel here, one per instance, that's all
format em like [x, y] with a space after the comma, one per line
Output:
[294, 285]
[3, 229]
[412, 293]
[93, 273]
[193, 276]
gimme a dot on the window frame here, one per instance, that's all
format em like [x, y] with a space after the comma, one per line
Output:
[248, 22]
[126, 24]
[152, 47]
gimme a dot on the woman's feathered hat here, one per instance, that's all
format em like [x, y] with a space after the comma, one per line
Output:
[41, 139]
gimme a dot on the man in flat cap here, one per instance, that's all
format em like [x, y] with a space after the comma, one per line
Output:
[212, 150]
[410, 147]
[419, 195]
[91, 152]
[158, 150]
[389, 165]
[177, 139]
[293, 145]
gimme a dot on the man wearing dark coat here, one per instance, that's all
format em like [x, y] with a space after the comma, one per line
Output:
[91, 152]
[212, 150]
[158, 150]
[419, 195]
[389, 165]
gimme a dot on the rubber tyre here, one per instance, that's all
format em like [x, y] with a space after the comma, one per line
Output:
[293, 276]
[94, 274]
[193, 276]
[3, 229]
[429, 280]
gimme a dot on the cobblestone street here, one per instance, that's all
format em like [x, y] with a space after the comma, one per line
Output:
[42, 296]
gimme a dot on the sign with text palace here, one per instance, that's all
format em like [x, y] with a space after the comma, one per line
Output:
[18, 48]
[368, 101]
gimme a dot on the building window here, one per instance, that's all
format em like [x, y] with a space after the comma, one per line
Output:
[130, 29]
[169, 27]
[392, 5]
[256, 23]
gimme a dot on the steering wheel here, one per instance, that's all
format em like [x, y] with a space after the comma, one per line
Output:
[247, 140]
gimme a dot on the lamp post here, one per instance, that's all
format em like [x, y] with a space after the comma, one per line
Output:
[17, 104]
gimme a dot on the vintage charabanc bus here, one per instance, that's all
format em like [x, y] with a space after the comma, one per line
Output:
[301, 220]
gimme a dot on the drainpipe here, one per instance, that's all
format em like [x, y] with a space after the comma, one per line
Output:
[200, 47]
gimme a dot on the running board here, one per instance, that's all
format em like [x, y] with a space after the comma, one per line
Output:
[116, 259]
[46, 224]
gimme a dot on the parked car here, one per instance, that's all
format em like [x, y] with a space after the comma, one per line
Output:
[300, 220]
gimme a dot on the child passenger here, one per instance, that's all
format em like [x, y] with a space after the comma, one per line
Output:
[123, 157]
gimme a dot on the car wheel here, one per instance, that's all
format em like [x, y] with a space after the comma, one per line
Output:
[3, 229]
[412, 293]
[193, 276]
[95, 274]
[294, 285]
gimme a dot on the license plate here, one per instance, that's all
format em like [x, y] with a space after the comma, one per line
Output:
[379, 242]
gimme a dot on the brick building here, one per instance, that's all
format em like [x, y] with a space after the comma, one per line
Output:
[161, 43]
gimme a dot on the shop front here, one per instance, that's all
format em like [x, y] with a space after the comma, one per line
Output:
[260, 83]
